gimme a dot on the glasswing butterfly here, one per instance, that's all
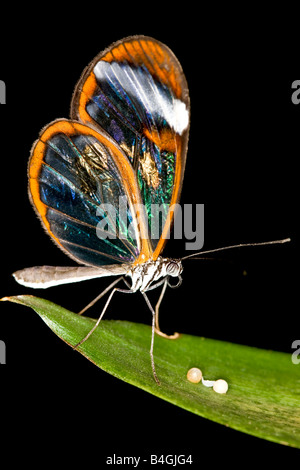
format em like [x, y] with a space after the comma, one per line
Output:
[126, 140]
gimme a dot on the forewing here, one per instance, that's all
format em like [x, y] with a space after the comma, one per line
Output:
[76, 179]
[136, 91]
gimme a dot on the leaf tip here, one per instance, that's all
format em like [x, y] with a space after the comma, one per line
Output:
[4, 299]
[14, 298]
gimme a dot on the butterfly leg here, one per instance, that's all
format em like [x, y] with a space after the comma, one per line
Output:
[100, 295]
[115, 289]
[157, 329]
[152, 338]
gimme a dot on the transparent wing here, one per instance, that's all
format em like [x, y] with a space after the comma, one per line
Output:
[137, 93]
[77, 180]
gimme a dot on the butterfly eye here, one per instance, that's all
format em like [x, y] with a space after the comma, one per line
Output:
[173, 268]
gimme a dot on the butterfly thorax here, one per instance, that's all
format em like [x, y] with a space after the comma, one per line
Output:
[145, 274]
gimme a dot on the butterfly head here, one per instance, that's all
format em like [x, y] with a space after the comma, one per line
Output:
[145, 275]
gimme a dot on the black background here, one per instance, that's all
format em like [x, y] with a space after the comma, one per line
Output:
[242, 158]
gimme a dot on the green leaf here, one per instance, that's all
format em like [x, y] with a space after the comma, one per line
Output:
[264, 386]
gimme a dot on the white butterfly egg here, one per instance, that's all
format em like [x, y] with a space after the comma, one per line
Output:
[194, 375]
[220, 386]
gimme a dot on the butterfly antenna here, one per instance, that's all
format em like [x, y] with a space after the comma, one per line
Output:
[200, 253]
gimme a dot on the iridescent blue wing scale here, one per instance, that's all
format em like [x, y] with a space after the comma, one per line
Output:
[76, 179]
[136, 91]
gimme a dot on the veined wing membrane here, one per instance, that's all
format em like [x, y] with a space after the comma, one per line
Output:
[77, 177]
[137, 93]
